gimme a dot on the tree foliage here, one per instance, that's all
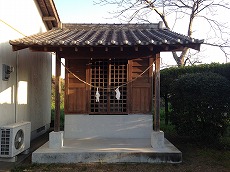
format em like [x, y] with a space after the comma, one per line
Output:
[61, 94]
[201, 108]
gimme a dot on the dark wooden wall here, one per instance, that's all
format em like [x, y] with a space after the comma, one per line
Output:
[76, 92]
[140, 89]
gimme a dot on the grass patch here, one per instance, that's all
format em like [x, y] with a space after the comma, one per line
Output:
[216, 157]
[225, 142]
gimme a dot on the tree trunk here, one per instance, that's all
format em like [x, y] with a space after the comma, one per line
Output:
[180, 59]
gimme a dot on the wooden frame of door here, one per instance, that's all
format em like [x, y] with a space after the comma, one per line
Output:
[106, 76]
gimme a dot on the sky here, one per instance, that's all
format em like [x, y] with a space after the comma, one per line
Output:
[86, 11]
[83, 11]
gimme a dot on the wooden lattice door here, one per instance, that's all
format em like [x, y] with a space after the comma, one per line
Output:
[106, 76]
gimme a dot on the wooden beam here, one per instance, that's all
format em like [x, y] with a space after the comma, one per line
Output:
[53, 11]
[50, 18]
[16, 48]
[57, 94]
[151, 48]
[157, 94]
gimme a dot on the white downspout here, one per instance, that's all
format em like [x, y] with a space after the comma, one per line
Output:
[16, 88]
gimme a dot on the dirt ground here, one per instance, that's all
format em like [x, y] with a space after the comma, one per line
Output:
[184, 167]
[195, 159]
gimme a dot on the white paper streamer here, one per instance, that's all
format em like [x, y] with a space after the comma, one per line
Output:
[97, 95]
[118, 94]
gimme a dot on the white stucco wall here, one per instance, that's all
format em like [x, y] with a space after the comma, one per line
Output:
[26, 96]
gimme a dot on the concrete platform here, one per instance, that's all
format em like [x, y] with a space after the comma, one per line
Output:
[109, 150]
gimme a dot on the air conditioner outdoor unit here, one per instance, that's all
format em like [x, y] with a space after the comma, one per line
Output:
[14, 139]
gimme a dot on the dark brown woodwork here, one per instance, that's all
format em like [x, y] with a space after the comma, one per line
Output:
[77, 100]
[135, 96]
[50, 18]
[141, 97]
[88, 87]
[49, 13]
[57, 94]
[157, 94]
[70, 51]
[76, 92]
[99, 52]
[141, 87]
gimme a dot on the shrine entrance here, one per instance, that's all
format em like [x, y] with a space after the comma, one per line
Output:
[106, 76]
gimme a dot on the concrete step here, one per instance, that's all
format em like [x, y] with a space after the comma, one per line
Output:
[108, 150]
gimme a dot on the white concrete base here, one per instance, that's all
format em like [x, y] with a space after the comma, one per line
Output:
[56, 140]
[108, 126]
[110, 150]
[157, 139]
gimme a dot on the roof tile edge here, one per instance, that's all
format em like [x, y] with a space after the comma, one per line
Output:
[89, 26]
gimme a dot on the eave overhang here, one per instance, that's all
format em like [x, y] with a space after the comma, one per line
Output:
[49, 13]
[107, 36]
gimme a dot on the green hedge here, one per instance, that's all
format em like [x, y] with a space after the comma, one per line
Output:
[168, 75]
[201, 105]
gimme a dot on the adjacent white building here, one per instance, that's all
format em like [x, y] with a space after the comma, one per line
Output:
[26, 94]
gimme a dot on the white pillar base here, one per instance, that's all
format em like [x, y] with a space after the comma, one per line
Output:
[157, 139]
[56, 140]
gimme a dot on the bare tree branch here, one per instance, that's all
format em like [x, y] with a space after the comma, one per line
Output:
[217, 45]
[192, 10]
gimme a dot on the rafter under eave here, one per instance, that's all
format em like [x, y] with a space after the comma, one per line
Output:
[49, 18]
[150, 48]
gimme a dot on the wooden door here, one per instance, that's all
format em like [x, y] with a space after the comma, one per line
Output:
[106, 76]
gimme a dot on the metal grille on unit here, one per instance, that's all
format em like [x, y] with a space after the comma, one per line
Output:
[5, 141]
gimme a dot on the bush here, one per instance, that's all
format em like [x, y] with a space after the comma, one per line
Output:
[168, 75]
[201, 104]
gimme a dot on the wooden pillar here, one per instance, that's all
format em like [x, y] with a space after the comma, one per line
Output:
[157, 94]
[57, 94]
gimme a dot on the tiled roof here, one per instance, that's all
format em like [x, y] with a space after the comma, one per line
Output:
[108, 35]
